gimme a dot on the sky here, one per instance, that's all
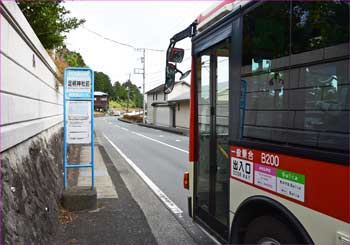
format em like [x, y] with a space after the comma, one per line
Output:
[141, 24]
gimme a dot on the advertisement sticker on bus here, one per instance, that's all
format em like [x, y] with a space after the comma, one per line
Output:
[265, 176]
[263, 170]
[291, 184]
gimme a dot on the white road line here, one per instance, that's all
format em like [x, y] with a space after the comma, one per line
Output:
[164, 198]
[162, 136]
[125, 129]
[160, 142]
[177, 140]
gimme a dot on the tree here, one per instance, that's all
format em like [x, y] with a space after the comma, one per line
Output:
[74, 59]
[49, 20]
[103, 83]
[119, 91]
[134, 93]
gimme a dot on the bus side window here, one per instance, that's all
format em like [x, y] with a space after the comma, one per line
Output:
[298, 88]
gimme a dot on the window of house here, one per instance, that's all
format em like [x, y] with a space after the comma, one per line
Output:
[164, 97]
[178, 106]
[156, 96]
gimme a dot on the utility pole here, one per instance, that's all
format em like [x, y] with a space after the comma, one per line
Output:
[128, 88]
[143, 72]
[143, 86]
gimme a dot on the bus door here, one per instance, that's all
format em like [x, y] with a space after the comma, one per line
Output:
[212, 168]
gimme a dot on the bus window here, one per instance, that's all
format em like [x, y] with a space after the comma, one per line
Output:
[298, 97]
[320, 111]
[265, 64]
[203, 78]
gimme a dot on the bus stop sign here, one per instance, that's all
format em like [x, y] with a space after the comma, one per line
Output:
[78, 115]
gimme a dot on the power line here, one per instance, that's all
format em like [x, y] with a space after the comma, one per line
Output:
[108, 39]
[163, 70]
[120, 43]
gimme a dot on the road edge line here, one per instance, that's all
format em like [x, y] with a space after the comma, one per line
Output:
[159, 193]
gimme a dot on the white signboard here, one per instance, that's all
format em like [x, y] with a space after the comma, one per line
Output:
[78, 121]
[78, 83]
[242, 169]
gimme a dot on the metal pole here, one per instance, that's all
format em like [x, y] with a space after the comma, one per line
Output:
[128, 87]
[143, 87]
[65, 161]
[92, 131]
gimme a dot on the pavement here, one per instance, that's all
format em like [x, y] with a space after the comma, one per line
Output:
[103, 182]
[128, 211]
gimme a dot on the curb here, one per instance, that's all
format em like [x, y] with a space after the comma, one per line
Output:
[126, 121]
[171, 130]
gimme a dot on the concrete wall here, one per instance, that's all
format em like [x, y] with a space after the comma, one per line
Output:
[162, 116]
[31, 133]
[182, 116]
[31, 98]
[179, 88]
[150, 108]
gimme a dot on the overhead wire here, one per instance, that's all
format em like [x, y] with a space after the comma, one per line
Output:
[159, 81]
[121, 43]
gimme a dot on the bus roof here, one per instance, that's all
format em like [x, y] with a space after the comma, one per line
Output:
[217, 11]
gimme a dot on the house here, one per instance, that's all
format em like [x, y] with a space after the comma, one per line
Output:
[182, 109]
[169, 110]
[101, 102]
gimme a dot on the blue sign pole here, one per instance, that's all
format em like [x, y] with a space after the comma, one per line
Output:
[64, 131]
[92, 130]
[79, 93]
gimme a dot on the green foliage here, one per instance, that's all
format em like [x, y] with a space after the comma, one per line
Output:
[74, 59]
[103, 83]
[120, 95]
[49, 20]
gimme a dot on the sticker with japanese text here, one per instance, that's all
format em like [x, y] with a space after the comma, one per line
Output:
[242, 169]
[265, 176]
[291, 184]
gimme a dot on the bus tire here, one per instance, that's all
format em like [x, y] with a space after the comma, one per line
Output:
[269, 230]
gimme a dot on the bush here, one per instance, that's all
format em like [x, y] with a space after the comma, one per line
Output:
[134, 118]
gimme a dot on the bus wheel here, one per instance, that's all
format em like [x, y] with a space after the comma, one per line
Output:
[269, 230]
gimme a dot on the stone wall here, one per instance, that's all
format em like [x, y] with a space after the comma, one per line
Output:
[31, 177]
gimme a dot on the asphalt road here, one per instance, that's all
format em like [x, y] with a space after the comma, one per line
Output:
[164, 163]
[161, 156]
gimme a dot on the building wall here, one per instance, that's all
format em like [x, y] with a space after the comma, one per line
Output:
[162, 116]
[101, 102]
[159, 116]
[31, 133]
[31, 97]
[182, 116]
[179, 89]
[150, 108]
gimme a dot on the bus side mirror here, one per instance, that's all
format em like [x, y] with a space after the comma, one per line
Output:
[169, 78]
[176, 55]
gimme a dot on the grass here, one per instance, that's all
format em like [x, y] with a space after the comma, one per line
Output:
[121, 104]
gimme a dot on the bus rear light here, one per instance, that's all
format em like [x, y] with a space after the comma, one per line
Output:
[186, 180]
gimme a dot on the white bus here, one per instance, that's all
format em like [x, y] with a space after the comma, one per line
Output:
[269, 125]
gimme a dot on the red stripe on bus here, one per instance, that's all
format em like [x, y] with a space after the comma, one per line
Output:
[326, 184]
[201, 18]
[193, 145]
